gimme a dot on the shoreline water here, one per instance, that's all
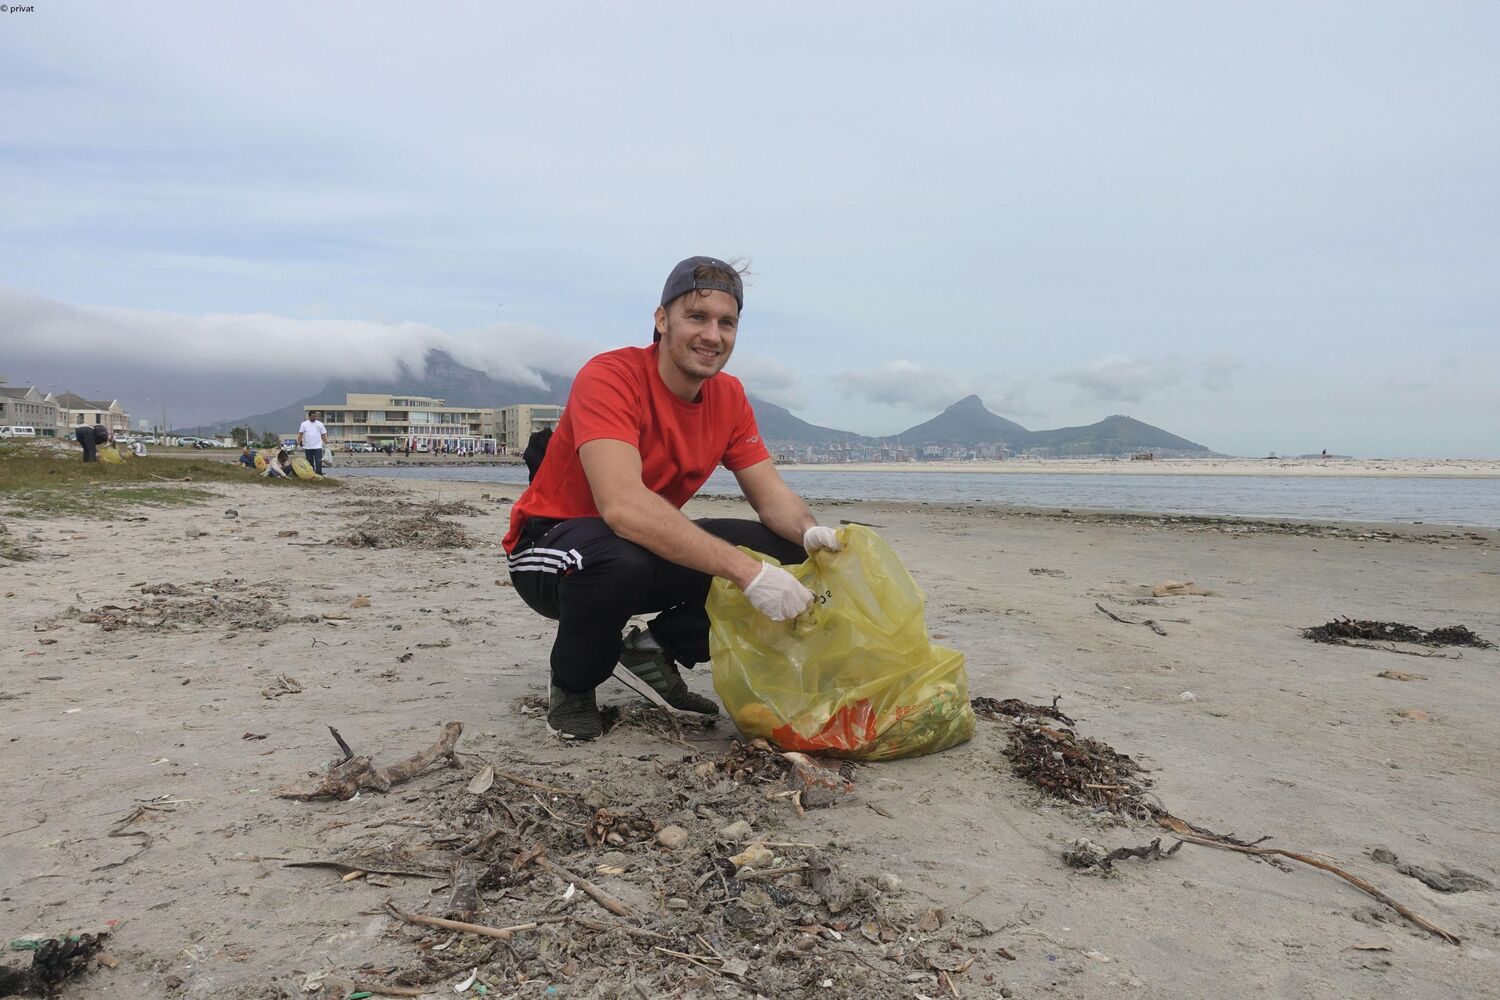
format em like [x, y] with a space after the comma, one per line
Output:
[1401, 468]
[1453, 501]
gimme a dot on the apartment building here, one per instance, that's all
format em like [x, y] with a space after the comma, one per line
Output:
[74, 411]
[28, 408]
[426, 422]
[518, 422]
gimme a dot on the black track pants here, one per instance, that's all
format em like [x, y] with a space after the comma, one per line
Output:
[592, 581]
[85, 437]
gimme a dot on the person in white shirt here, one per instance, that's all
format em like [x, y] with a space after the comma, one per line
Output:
[310, 439]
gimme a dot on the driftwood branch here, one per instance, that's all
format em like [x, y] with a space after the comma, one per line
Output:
[345, 779]
[1353, 880]
[531, 783]
[340, 741]
[505, 933]
[1149, 623]
[599, 896]
[498, 933]
[346, 986]
[537, 855]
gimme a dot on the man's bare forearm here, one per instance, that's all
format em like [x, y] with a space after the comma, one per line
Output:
[787, 515]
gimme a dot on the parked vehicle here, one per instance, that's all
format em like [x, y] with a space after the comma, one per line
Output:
[19, 432]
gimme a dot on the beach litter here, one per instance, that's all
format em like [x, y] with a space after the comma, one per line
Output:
[618, 881]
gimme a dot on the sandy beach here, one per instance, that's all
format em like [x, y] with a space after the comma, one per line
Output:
[147, 729]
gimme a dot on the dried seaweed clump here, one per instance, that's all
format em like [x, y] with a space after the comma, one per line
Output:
[225, 603]
[1341, 631]
[1054, 758]
[426, 531]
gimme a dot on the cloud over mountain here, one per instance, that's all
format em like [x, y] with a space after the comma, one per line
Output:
[255, 344]
[1120, 379]
[917, 387]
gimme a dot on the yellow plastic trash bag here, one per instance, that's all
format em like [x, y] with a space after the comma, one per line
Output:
[853, 676]
[110, 455]
[302, 468]
[263, 458]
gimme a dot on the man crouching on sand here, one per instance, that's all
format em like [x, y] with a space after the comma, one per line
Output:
[599, 535]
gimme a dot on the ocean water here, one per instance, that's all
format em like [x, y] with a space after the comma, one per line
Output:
[1462, 502]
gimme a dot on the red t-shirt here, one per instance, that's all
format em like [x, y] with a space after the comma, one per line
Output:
[620, 396]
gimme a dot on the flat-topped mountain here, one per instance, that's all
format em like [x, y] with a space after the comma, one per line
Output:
[441, 378]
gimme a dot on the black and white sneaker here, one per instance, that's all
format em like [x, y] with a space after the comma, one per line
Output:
[650, 671]
[574, 716]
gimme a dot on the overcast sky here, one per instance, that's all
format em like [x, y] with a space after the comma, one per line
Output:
[1275, 227]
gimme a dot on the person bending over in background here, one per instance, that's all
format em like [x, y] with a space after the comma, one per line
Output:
[84, 435]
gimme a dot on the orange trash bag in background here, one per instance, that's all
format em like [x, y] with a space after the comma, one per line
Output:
[855, 675]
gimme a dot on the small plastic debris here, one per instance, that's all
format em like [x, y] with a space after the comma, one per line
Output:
[1187, 696]
[463, 987]
[483, 780]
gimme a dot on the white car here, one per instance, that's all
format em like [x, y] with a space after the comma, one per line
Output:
[20, 432]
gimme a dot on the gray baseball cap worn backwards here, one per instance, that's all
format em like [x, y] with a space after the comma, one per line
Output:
[683, 280]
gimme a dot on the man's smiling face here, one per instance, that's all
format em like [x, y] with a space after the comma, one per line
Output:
[697, 336]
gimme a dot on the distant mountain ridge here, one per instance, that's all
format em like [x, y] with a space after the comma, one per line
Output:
[965, 424]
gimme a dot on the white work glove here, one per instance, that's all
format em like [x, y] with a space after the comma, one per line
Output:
[818, 537]
[777, 594]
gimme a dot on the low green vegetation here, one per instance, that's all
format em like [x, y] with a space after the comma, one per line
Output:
[48, 480]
